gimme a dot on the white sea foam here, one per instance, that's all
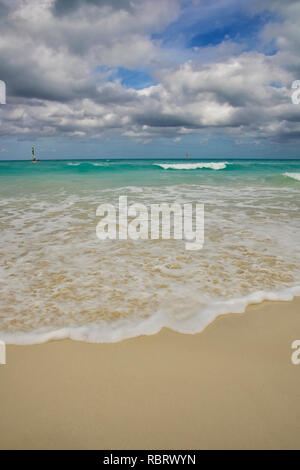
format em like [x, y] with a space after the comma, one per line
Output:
[106, 332]
[115, 290]
[99, 164]
[87, 163]
[193, 166]
[295, 176]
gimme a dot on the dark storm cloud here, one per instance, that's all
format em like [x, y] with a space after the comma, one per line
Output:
[29, 82]
[3, 9]
[64, 7]
[22, 83]
[163, 120]
[112, 94]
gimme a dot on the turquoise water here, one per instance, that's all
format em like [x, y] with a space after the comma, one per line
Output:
[59, 280]
[92, 173]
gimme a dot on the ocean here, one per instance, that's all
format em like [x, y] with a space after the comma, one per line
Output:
[58, 280]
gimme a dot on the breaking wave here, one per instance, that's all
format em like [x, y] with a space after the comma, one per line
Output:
[295, 176]
[193, 166]
[106, 332]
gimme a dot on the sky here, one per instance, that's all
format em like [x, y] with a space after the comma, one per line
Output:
[149, 78]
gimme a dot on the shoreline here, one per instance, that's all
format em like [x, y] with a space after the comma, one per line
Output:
[232, 386]
[117, 331]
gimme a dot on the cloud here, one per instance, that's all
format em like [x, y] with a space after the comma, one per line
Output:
[64, 7]
[58, 60]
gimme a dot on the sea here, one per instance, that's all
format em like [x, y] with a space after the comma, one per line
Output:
[58, 280]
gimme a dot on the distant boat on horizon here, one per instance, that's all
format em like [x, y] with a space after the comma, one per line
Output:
[33, 157]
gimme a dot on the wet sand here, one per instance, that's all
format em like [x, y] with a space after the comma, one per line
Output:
[233, 386]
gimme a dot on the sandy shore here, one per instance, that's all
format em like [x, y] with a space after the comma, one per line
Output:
[232, 386]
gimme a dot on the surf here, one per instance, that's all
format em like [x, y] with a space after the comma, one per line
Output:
[295, 176]
[193, 166]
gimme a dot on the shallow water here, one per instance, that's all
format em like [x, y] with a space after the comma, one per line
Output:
[59, 280]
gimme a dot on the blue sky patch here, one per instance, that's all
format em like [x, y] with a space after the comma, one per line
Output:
[136, 78]
[211, 23]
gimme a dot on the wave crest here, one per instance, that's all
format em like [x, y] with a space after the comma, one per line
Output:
[87, 163]
[124, 329]
[295, 176]
[193, 166]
